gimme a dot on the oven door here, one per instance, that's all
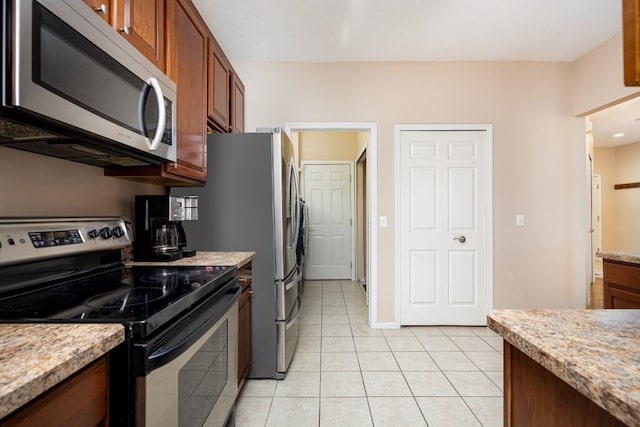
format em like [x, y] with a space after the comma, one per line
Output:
[192, 378]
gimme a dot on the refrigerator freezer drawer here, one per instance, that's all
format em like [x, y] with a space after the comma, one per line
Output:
[287, 295]
[287, 340]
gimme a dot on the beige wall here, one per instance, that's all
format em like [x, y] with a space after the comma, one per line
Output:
[620, 208]
[327, 145]
[598, 78]
[538, 154]
[36, 185]
[604, 163]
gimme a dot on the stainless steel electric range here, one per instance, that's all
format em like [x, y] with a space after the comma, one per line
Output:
[177, 364]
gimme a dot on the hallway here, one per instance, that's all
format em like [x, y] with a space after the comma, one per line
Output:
[346, 374]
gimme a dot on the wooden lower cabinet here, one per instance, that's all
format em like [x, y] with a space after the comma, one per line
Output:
[81, 400]
[621, 285]
[533, 396]
[244, 324]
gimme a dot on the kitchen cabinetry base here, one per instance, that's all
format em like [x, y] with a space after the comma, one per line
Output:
[533, 396]
[81, 400]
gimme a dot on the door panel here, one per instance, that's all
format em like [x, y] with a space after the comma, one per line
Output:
[328, 196]
[442, 228]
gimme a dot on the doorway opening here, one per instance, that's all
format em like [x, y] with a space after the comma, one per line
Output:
[363, 228]
[613, 154]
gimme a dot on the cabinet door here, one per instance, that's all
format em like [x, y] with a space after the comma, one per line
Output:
[187, 66]
[219, 84]
[237, 105]
[79, 400]
[101, 7]
[244, 324]
[141, 22]
[620, 298]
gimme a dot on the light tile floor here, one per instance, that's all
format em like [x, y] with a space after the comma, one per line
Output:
[346, 374]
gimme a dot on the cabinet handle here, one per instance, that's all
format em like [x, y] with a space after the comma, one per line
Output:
[250, 292]
[125, 30]
[101, 9]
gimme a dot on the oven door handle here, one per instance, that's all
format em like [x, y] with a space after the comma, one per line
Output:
[165, 354]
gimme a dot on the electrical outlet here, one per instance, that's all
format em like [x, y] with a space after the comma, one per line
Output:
[383, 221]
[520, 220]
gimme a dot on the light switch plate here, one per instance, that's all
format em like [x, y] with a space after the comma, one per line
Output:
[383, 221]
[520, 220]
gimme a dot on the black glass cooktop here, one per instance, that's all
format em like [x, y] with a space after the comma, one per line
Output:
[140, 297]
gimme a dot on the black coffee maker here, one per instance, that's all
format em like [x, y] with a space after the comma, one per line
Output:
[159, 235]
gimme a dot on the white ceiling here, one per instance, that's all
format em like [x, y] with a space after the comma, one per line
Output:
[621, 118]
[410, 30]
[423, 30]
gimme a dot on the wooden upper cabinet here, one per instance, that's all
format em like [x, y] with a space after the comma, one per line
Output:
[631, 41]
[219, 88]
[101, 7]
[142, 23]
[187, 66]
[237, 105]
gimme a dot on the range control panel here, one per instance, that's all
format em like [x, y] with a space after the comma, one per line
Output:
[31, 239]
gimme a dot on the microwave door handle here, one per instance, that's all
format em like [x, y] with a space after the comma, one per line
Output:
[155, 143]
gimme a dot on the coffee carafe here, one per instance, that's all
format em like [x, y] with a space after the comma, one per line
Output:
[159, 235]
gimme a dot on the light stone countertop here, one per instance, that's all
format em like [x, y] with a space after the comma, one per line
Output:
[36, 357]
[597, 352]
[203, 258]
[632, 257]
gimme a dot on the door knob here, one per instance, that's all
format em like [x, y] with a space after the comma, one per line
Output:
[461, 239]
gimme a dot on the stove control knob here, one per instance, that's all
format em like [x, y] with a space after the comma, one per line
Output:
[117, 231]
[105, 232]
[93, 233]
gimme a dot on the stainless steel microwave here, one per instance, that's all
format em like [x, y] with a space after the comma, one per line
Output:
[74, 88]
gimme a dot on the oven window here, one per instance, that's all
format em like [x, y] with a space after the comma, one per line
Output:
[203, 378]
[69, 65]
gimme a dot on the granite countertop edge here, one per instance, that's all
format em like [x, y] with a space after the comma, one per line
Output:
[631, 257]
[567, 369]
[19, 387]
[237, 259]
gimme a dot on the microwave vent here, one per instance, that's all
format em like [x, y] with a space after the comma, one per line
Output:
[16, 131]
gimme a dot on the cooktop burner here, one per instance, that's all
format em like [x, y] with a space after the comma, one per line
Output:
[142, 297]
[36, 302]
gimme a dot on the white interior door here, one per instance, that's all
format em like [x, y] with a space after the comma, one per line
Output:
[596, 221]
[443, 227]
[327, 192]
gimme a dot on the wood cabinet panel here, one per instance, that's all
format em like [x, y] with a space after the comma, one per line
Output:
[627, 275]
[533, 396]
[244, 324]
[621, 285]
[237, 105]
[631, 41]
[218, 85]
[615, 297]
[189, 70]
[81, 400]
[142, 23]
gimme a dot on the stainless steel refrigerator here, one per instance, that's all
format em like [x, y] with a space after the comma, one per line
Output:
[251, 203]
